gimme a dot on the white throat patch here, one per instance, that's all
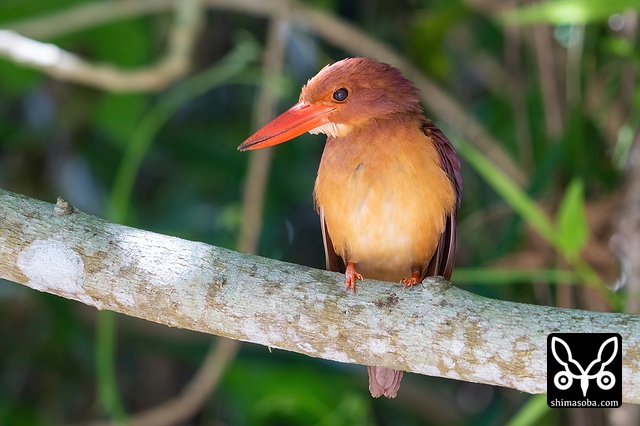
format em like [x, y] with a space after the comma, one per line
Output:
[331, 129]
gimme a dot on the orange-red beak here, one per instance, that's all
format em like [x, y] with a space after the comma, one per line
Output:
[298, 119]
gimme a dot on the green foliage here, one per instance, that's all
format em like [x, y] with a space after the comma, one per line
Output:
[532, 412]
[568, 11]
[281, 395]
[572, 230]
[509, 191]
[428, 38]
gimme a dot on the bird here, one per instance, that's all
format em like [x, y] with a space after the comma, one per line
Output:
[388, 186]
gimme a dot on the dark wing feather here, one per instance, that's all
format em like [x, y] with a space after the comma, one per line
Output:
[444, 258]
[334, 262]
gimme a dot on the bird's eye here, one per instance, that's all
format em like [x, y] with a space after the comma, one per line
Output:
[340, 94]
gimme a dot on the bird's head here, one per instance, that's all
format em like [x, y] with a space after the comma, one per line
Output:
[340, 98]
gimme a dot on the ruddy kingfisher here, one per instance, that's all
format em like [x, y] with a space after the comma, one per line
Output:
[388, 187]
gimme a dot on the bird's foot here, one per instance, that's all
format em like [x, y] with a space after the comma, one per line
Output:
[351, 276]
[410, 282]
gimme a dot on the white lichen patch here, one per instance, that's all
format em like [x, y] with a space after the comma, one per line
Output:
[52, 267]
[307, 348]
[171, 268]
[274, 334]
[496, 344]
[349, 324]
[480, 355]
[452, 374]
[489, 372]
[429, 370]
[378, 346]
[456, 347]
[627, 375]
[251, 329]
[307, 323]
[448, 362]
[335, 355]
[155, 257]
[123, 297]
[314, 297]
[532, 386]
[255, 333]
[506, 354]
[332, 331]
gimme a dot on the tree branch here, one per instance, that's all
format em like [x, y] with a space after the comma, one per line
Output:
[434, 329]
[67, 66]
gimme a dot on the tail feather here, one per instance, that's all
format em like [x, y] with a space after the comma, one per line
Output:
[384, 381]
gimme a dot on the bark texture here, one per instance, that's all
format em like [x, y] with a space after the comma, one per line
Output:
[434, 329]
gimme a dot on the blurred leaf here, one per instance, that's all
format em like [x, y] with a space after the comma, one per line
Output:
[572, 227]
[531, 412]
[509, 191]
[567, 11]
[622, 47]
[296, 394]
[230, 217]
[430, 27]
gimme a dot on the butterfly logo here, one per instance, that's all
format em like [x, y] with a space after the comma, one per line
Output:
[564, 379]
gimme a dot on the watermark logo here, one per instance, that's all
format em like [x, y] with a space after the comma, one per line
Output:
[584, 370]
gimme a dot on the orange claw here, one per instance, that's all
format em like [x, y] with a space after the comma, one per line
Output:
[351, 276]
[410, 282]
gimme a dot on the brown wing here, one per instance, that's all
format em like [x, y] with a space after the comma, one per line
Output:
[334, 262]
[444, 258]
